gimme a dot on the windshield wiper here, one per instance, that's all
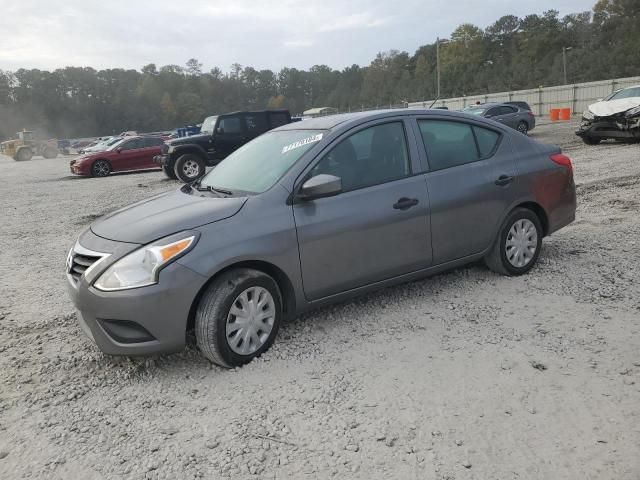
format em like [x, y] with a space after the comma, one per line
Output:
[220, 191]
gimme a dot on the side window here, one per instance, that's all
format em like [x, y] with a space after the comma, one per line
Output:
[448, 144]
[132, 144]
[231, 125]
[493, 112]
[153, 142]
[369, 157]
[487, 140]
[278, 119]
[256, 122]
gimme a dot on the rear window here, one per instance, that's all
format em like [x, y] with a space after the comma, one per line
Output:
[278, 119]
[487, 140]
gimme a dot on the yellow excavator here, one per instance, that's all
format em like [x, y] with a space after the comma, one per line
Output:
[26, 146]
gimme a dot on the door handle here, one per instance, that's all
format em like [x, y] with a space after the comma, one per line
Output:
[504, 180]
[405, 203]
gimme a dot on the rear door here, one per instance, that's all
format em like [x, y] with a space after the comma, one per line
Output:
[471, 177]
[256, 123]
[231, 133]
[378, 227]
[152, 147]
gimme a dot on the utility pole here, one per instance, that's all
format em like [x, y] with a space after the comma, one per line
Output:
[438, 64]
[564, 62]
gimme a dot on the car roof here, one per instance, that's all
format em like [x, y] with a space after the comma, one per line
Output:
[345, 120]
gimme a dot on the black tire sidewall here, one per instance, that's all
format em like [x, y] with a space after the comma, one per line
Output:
[229, 357]
[93, 168]
[181, 161]
[516, 215]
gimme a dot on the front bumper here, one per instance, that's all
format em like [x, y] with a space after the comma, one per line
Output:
[139, 321]
[610, 127]
[79, 168]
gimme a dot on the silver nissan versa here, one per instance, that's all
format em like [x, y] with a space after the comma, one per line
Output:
[311, 213]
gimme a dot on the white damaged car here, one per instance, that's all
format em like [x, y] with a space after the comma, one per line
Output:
[616, 116]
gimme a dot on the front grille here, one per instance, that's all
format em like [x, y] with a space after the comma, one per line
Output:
[80, 260]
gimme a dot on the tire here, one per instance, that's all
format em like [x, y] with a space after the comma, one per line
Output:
[188, 168]
[168, 171]
[100, 168]
[50, 152]
[523, 128]
[591, 140]
[24, 155]
[498, 258]
[214, 320]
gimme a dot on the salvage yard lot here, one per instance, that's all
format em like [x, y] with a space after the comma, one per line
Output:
[463, 375]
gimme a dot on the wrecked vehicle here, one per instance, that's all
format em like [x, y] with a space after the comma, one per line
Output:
[616, 116]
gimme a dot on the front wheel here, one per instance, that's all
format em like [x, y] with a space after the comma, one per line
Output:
[100, 168]
[238, 317]
[189, 167]
[516, 249]
[24, 155]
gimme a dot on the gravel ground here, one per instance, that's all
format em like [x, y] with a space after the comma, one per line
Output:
[465, 375]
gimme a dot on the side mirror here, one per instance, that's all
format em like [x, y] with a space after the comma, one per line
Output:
[220, 131]
[320, 186]
[119, 149]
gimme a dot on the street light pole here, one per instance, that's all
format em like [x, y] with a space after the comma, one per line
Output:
[564, 62]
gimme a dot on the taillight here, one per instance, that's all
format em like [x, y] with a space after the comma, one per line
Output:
[563, 160]
[531, 113]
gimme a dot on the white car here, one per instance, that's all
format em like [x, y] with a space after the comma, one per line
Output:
[101, 146]
[616, 116]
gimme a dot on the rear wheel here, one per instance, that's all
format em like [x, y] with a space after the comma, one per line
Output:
[591, 140]
[189, 167]
[168, 171]
[50, 152]
[523, 128]
[24, 154]
[238, 317]
[100, 168]
[517, 246]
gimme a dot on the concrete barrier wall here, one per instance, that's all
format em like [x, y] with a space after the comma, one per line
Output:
[577, 97]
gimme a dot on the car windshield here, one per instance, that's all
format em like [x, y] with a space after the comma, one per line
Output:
[209, 124]
[474, 110]
[258, 165]
[626, 93]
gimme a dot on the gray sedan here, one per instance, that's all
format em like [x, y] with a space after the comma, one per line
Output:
[313, 213]
[513, 116]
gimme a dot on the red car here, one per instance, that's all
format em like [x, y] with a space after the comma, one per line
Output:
[131, 153]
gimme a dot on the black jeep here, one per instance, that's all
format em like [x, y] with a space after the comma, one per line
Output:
[186, 158]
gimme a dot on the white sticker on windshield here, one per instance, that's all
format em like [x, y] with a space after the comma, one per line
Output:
[300, 143]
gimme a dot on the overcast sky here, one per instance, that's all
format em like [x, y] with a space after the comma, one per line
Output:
[48, 34]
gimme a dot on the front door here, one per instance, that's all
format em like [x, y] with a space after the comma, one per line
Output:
[377, 228]
[472, 181]
[129, 155]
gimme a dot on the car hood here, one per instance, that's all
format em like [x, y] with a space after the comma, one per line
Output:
[604, 109]
[163, 215]
[192, 139]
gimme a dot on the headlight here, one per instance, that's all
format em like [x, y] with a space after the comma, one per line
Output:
[171, 149]
[633, 112]
[588, 114]
[141, 268]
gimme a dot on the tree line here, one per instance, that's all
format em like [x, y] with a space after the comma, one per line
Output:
[511, 54]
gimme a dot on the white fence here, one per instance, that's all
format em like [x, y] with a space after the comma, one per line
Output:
[577, 97]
